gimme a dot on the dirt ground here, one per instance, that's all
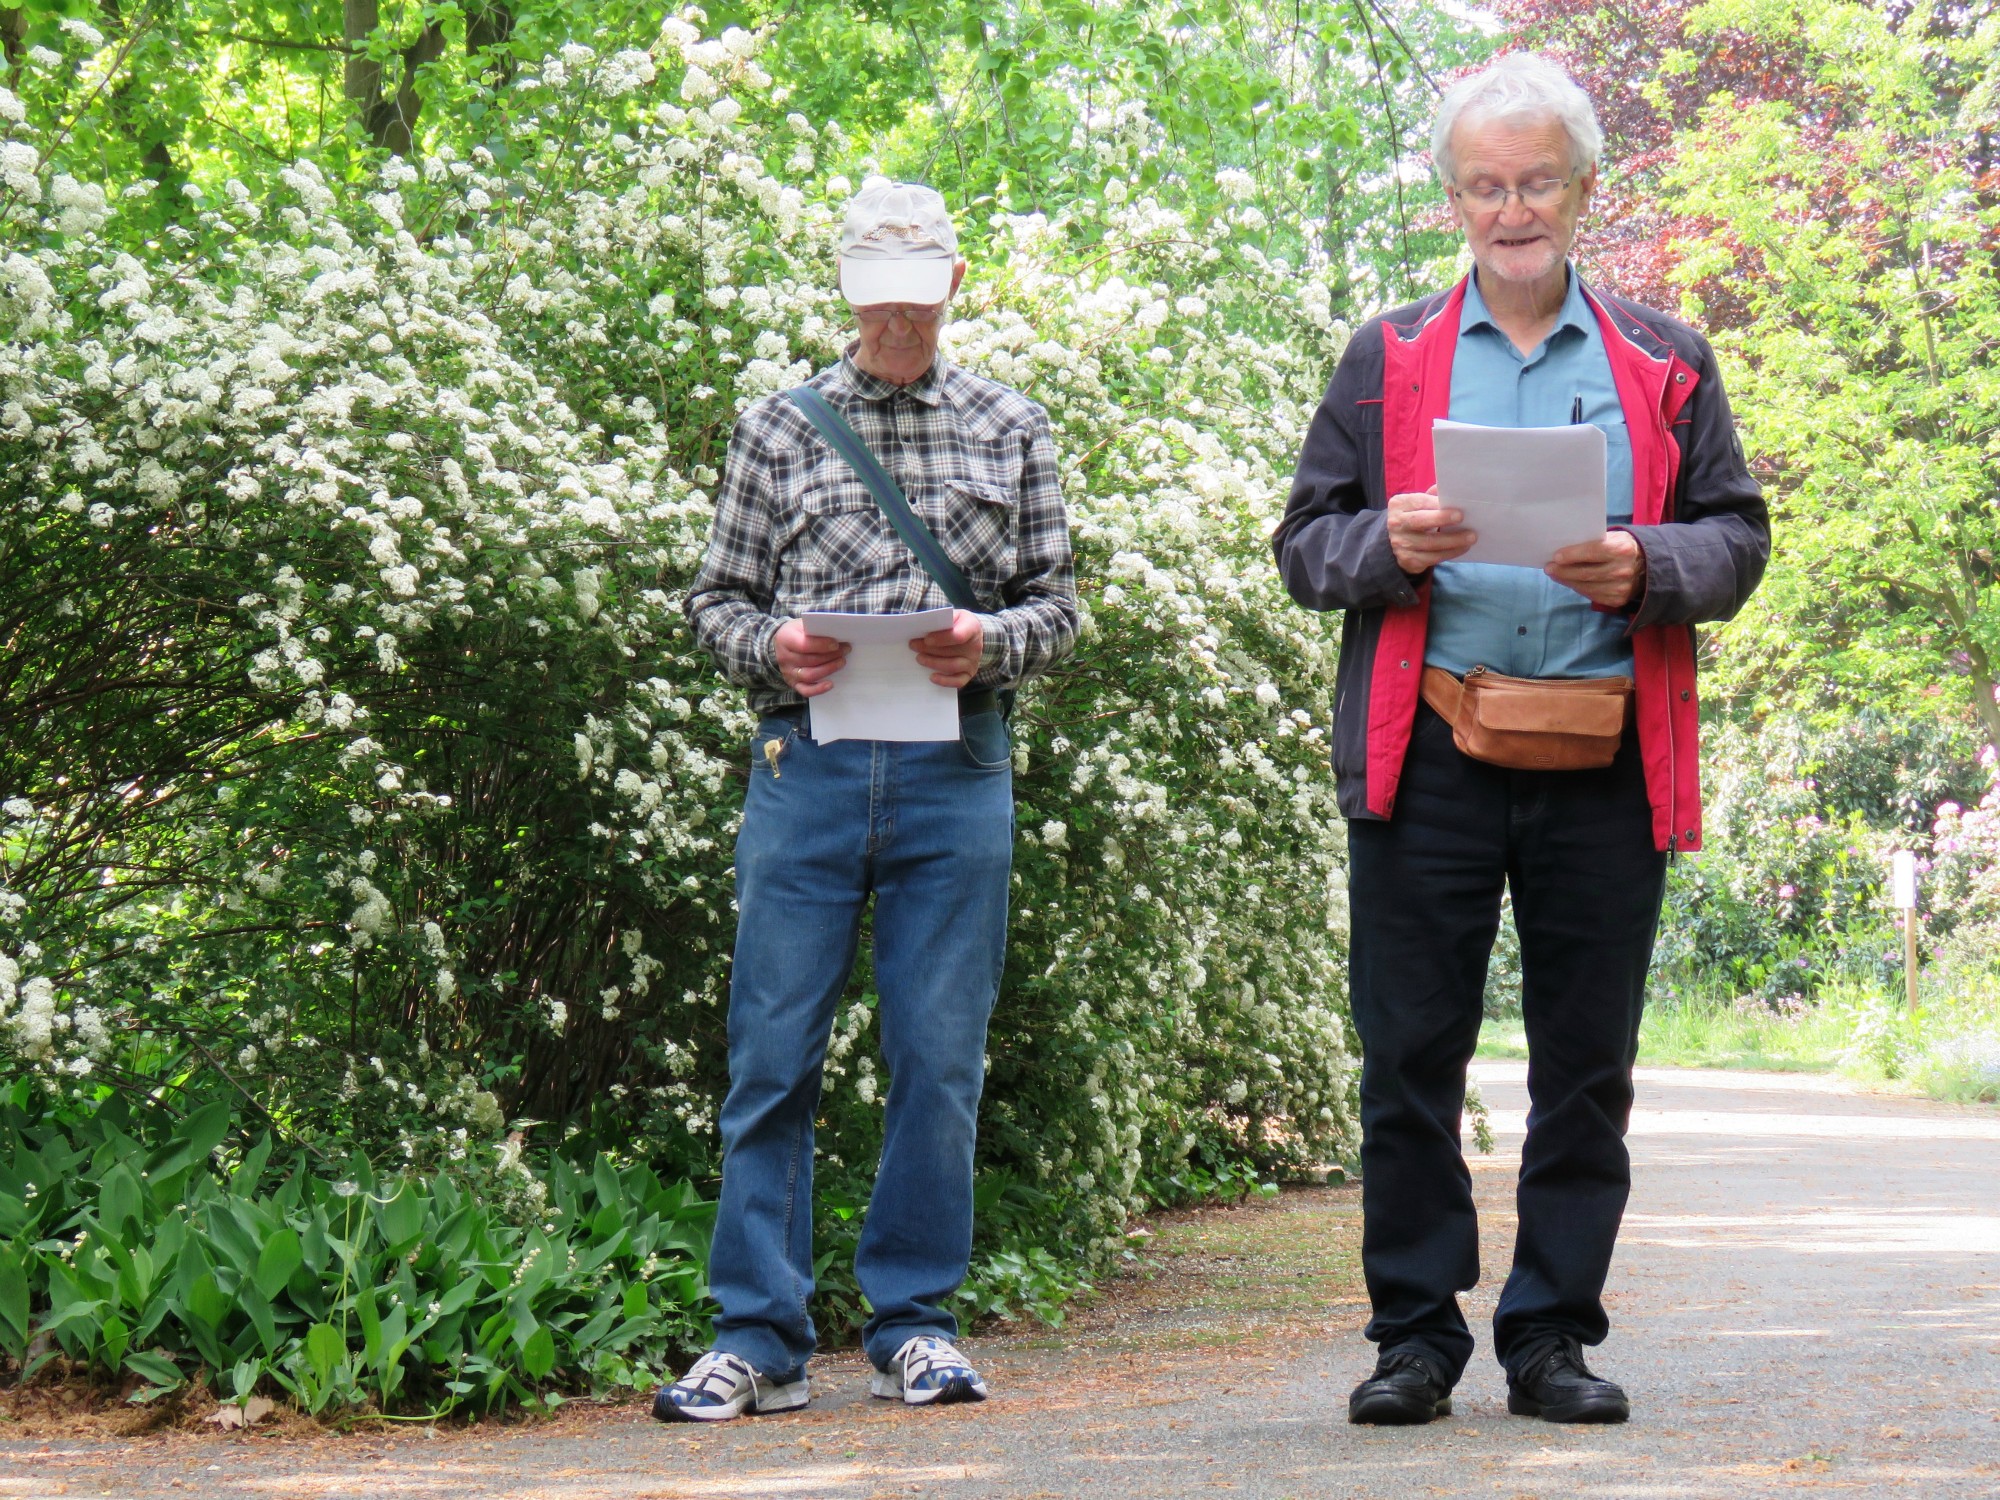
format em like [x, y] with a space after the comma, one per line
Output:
[1807, 1296]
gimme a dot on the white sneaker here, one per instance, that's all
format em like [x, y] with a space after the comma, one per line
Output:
[928, 1371]
[721, 1386]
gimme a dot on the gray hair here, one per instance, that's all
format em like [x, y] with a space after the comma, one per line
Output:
[1517, 88]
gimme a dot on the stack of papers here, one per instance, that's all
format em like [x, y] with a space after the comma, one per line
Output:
[1527, 491]
[882, 692]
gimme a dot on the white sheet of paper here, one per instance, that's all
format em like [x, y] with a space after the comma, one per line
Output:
[1527, 491]
[882, 693]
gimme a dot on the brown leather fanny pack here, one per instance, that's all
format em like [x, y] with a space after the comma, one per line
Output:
[1532, 724]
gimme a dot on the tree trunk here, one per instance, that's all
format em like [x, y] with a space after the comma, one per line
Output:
[14, 34]
[1982, 693]
[394, 123]
[391, 122]
[362, 79]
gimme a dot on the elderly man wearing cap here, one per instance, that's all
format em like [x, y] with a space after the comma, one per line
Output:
[926, 827]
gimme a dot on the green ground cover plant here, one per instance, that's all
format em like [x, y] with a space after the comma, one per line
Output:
[347, 1290]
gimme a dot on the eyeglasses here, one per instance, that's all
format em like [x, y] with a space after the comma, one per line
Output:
[1488, 196]
[882, 312]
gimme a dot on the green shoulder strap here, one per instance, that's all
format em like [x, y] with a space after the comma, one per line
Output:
[916, 536]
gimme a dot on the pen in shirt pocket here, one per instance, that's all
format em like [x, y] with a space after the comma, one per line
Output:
[1576, 409]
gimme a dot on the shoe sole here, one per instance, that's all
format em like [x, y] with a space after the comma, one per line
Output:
[886, 1385]
[1594, 1409]
[776, 1398]
[1389, 1411]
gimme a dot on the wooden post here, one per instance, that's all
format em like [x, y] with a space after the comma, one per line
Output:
[1910, 955]
[1903, 891]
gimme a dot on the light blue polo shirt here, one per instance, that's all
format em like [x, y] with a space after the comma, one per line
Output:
[1518, 620]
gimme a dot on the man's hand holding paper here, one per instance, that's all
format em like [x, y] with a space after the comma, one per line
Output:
[1424, 532]
[807, 661]
[952, 655]
[887, 690]
[1610, 571]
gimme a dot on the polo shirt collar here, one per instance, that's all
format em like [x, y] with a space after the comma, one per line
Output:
[927, 387]
[1575, 312]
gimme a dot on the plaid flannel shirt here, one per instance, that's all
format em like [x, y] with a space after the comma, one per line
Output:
[796, 529]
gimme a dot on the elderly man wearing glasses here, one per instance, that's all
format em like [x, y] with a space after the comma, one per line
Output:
[1505, 728]
[925, 827]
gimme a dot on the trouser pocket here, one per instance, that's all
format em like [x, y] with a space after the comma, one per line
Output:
[985, 741]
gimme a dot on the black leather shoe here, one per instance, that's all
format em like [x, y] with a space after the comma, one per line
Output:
[1558, 1387]
[1403, 1392]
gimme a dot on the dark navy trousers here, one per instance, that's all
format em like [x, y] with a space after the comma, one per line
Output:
[1575, 848]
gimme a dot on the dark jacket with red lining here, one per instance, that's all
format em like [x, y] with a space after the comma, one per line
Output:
[1696, 513]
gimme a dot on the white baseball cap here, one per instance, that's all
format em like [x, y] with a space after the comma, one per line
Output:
[897, 245]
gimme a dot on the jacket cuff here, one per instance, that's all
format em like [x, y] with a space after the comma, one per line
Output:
[1387, 576]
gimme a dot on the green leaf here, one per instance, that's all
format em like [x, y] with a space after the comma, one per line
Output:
[281, 1255]
[370, 1318]
[115, 1333]
[605, 1178]
[120, 1199]
[396, 1335]
[325, 1348]
[589, 1335]
[243, 1379]
[538, 1355]
[257, 1308]
[71, 1314]
[14, 1306]
[135, 1278]
[244, 1178]
[199, 1134]
[402, 1217]
[158, 1368]
[459, 1296]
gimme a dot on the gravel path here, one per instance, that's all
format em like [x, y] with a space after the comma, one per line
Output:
[1806, 1297]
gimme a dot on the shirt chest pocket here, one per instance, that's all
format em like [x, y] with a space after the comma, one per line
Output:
[980, 531]
[839, 536]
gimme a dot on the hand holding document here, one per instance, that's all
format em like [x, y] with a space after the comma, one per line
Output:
[882, 692]
[1527, 491]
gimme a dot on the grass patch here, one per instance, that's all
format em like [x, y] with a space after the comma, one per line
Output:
[1949, 1050]
[1705, 1032]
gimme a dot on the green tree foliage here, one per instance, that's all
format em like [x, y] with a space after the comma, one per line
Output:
[1313, 106]
[1862, 234]
[193, 93]
[1317, 107]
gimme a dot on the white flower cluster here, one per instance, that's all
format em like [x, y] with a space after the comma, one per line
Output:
[454, 482]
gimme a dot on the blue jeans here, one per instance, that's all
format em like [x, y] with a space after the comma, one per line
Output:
[928, 828]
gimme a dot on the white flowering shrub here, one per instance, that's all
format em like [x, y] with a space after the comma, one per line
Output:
[357, 765]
